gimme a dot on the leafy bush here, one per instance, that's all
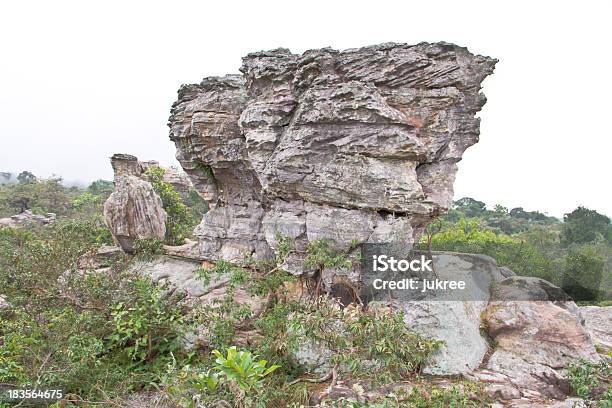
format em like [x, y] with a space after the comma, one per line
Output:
[98, 334]
[242, 368]
[584, 269]
[374, 344]
[148, 324]
[148, 248]
[592, 381]
[470, 236]
[322, 254]
[180, 221]
[235, 378]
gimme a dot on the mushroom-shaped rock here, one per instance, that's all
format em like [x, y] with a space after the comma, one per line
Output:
[134, 211]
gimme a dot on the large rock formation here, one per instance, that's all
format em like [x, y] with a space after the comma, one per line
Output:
[298, 145]
[134, 211]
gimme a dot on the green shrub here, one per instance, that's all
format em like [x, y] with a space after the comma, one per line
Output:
[375, 344]
[469, 236]
[179, 221]
[584, 269]
[148, 248]
[97, 335]
[242, 368]
[592, 381]
[147, 323]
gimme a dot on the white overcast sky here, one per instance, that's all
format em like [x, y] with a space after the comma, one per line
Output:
[82, 80]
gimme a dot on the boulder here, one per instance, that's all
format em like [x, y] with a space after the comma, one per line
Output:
[103, 257]
[598, 323]
[182, 277]
[535, 341]
[456, 322]
[134, 211]
[27, 217]
[365, 138]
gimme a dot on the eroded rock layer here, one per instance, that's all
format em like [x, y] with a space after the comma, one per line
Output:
[357, 144]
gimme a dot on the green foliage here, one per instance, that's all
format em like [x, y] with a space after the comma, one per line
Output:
[575, 254]
[50, 195]
[584, 269]
[592, 381]
[499, 220]
[148, 248]
[223, 315]
[583, 226]
[26, 177]
[101, 188]
[179, 221]
[322, 254]
[85, 199]
[242, 368]
[470, 236]
[235, 378]
[148, 325]
[464, 394]
[375, 344]
[82, 331]
[470, 207]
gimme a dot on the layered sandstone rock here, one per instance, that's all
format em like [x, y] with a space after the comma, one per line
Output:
[357, 144]
[134, 211]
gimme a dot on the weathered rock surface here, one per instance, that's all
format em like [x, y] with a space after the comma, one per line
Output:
[134, 211]
[456, 322]
[535, 341]
[128, 165]
[365, 138]
[27, 217]
[182, 277]
[598, 322]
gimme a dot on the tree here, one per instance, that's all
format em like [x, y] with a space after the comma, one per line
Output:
[101, 187]
[500, 209]
[582, 226]
[26, 177]
[470, 207]
[584, 266]
[21, 196]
